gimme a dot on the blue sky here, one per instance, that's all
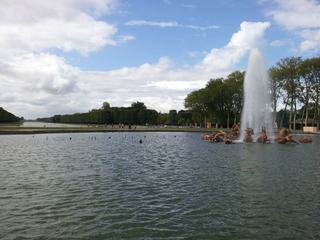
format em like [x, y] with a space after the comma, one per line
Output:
[68, 56]
[183, 45]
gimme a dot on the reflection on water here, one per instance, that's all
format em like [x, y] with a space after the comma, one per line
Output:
[36, 124]
[173, 185]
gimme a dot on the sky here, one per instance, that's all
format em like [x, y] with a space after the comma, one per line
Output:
[68, 56]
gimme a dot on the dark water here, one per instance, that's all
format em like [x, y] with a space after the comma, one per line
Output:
[172, 186]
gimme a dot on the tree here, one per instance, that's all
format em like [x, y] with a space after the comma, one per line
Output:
[308, 79]
[220, 101]
[184, 117]
[234, 95]
[275, 88]
[289, 75]
[163, 118]
[148, 116]
[105, 106]
[313, 75]
[173, 117]
[198, 103]
[6, 117]
[138, 106]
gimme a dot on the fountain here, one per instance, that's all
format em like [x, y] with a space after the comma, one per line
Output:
[257, 112]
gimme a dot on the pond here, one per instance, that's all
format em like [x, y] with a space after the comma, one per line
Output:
[170, 186]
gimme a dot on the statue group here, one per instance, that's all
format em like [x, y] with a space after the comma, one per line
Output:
[283, 137]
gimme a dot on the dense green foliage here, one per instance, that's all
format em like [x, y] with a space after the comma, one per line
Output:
[296, 86]
[220, 102]
[7, 117]
[136, 114]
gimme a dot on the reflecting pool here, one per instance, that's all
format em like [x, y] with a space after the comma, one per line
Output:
[170, 186]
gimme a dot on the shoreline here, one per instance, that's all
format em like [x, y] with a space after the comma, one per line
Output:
[33, 131]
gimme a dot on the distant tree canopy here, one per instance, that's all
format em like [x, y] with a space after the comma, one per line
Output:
[105, 106]
[7, 117]
[136, 114]
[296, 86]
[220, 101]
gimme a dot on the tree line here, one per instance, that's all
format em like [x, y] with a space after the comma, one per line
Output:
[296, 87]
[7, 117]
[295, 94]
[136, 114]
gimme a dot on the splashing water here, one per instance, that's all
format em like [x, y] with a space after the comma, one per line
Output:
[257, 111]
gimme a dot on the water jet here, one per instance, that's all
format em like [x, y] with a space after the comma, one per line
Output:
[257, 111]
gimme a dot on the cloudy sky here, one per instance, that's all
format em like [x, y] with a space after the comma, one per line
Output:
[67, 56]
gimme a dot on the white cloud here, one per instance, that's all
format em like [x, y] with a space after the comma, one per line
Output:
[250, 35]
[278, 43]
[287, 43]
[311, 40]
[151, 23]
[190, 6]
[301, 17]
[297, 14]
[32, 84]
[170, 24]
[126, 38]
[261, 2]
[177, 85]
[42, 84]
[195, 54]
[70, 25]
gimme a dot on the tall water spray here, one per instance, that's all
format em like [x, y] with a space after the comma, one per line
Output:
[257, 111]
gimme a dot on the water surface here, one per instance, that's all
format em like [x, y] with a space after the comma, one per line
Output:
[35, 124]
[172, 186]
